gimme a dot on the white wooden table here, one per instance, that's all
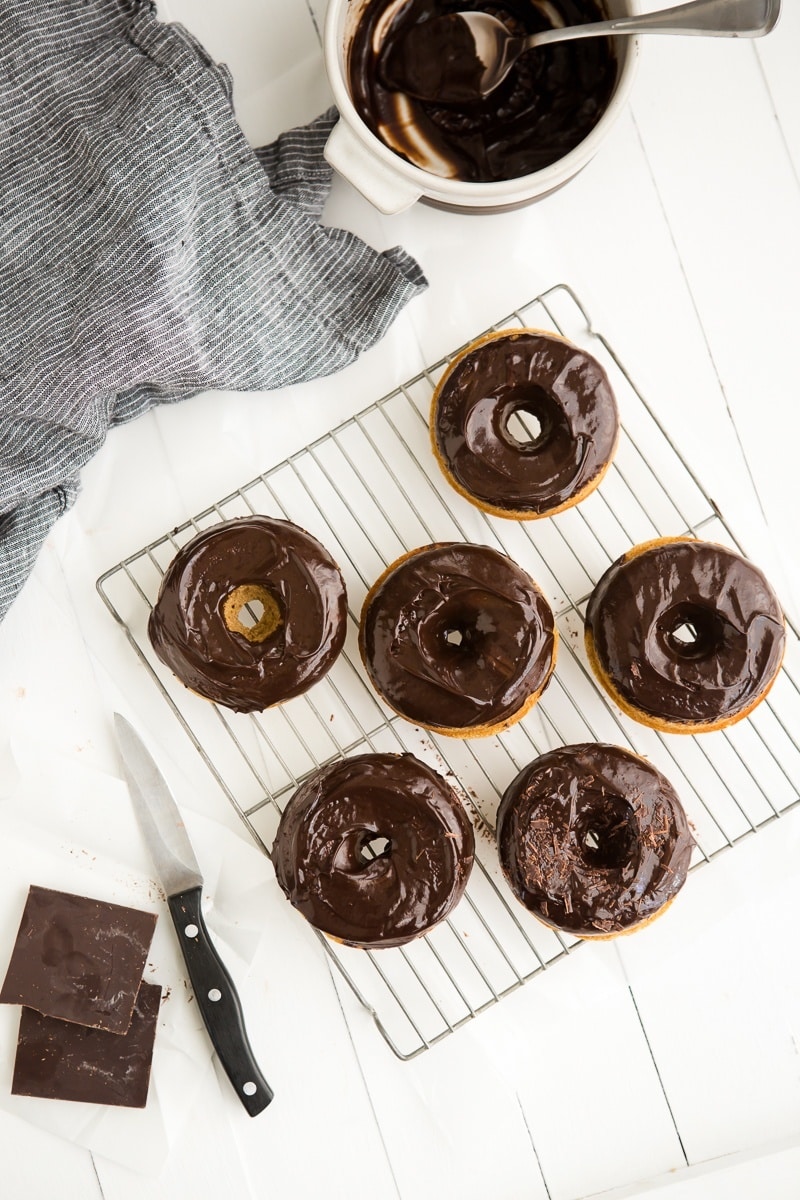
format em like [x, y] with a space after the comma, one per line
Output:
[665, 1064]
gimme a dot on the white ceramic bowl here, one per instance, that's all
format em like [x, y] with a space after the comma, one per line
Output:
[392, 184]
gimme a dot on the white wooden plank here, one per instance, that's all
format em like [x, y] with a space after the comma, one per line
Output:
[778, 56]
[321, 1126]
[586, 1079]
[732, 201]
[274, 53]
[450, 1123]
[719, 1008]
[773, 1172]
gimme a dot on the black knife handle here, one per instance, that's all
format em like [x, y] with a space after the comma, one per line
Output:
[219, 1003]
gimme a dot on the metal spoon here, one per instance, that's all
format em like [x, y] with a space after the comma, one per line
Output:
[496, 50]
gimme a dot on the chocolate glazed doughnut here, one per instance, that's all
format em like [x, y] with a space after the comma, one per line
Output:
[458, 638]
[686, 636]
[515, 470]
[593, 840]
[250, 613]
[374, 850]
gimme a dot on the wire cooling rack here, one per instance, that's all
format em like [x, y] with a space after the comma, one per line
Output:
[370, 490]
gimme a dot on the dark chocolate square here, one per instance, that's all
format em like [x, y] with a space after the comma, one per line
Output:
[78, 959]
[59, 1060]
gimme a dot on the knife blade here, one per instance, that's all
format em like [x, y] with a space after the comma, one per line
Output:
[175, 862]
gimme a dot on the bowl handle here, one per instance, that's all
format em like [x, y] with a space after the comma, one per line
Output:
[382, 186]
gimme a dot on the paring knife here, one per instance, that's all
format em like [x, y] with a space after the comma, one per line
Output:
[163, 829]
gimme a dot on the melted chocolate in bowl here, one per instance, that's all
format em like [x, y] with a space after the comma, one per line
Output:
[552, 98]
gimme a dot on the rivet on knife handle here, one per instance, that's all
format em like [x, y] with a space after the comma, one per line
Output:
[219, 1003]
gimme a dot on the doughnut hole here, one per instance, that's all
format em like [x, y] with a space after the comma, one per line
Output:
[358, 849]
[251, 611]
[605, 831]
[691, 632]
[466, 638]
[467, 633]
[374, 845]
[458, 628]
[460, 635]
[530, 419]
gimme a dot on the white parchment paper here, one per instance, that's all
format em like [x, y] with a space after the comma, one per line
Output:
[72, 828]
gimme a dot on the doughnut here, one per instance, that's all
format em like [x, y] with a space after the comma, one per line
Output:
[685, 636]
[374, 850]
[250, 613]
[457, 638]
[593, 840]
[570, 432]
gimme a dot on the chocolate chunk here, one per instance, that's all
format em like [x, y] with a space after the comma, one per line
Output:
[59, 1060]
[78, 959]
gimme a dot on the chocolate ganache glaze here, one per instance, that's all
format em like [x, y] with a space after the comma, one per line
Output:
[551, 99]
[458, 638]
[514, 373]
[593, 839]
[250, 613]
[685, 634]
[374, 850]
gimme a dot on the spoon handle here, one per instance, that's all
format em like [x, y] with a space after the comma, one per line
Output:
[717, 18]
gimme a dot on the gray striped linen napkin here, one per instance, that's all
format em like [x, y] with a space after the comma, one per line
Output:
[147, 252]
